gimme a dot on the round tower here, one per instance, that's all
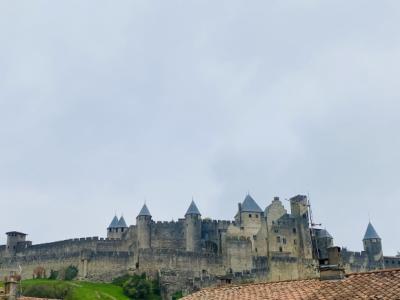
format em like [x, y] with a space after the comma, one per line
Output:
[193, 228]
[323, 241]
[143, 224]
[373, 247]
[112, 228]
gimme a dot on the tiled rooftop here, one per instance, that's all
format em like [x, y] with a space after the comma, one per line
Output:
[372, 285]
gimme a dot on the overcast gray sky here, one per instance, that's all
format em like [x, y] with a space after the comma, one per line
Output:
[106, 103]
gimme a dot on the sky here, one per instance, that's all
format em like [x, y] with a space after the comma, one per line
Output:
[107, 104]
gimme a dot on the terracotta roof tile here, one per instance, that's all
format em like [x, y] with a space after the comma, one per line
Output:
[371, 285]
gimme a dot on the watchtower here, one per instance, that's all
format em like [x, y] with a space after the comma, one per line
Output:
[250, 213]
[193, 228]
[143, 223]
[13, 239]
[373, 247]
[116, 228]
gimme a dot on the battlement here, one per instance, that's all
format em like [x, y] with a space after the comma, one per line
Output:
[238, 239]
[167, 223]
[66, 242]
[219, 222]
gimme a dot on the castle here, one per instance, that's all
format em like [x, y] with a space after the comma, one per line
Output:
[191, 253]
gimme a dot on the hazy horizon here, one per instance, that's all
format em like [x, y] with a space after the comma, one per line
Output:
[104, 105]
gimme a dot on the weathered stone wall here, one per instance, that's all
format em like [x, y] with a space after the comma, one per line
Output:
[354, 261]
[392, 262]
[239, 253]
[168, 235]
[152, 260]
[95, 258]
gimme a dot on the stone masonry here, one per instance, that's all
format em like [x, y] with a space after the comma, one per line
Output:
[191, 253]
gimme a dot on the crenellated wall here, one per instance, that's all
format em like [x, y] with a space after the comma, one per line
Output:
[191, 252]
[168, 235]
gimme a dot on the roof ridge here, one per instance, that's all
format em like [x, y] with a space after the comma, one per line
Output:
[373, 272]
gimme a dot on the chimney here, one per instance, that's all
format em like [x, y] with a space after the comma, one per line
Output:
[332, 269]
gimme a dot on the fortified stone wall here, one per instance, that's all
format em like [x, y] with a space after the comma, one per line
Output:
[354, 261]
[196, 264]
[239, 253]
[94, 257]
[168, 235]
[97, 266]
[392, 262]
[268, 244]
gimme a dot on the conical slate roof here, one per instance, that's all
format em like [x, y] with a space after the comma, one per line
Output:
[250, 205]
[370, 233]
[114, 223]
[122, 223]
[324, 234]
[193, 210]
[144, 211]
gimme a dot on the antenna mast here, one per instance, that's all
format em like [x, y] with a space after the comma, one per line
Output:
[314, 240]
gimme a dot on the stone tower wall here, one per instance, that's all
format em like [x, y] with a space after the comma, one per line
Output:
[143, 227]
[373, 249]
[193, 232]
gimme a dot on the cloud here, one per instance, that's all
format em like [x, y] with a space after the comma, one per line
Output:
[105, 104]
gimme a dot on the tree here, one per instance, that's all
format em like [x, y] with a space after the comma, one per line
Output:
[70, 273]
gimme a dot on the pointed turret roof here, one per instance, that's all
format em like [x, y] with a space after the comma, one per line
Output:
[193, 210]
[371, 233]
[250, 205]
[325, 234]
[122, 223]
[114, 223]
[144, 211]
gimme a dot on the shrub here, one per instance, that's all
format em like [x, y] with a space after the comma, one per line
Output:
[138, 287]
[47, 291]
[53, 275]
[70, 273]
[177, 295]
[121, 280]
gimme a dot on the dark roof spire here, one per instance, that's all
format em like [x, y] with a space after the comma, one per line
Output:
[122, 223]
[144, 211]
[114, 222]
[250, 205]
[371, 233]
[193, 210]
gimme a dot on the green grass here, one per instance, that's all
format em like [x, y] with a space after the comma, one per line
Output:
[81, 290]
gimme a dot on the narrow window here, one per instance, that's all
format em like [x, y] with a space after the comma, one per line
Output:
[249, 215]
[284, 240]
[295, 242]
[280, 249]
[278, 239]
[294, 230]
[257, 216]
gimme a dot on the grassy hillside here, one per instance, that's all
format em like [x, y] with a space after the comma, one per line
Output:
[76, 290]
